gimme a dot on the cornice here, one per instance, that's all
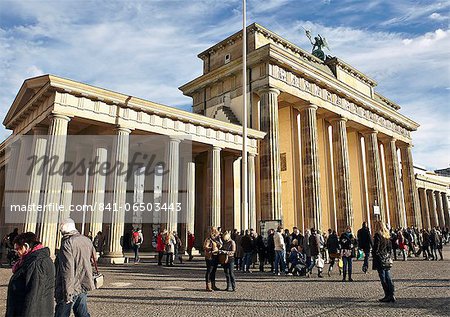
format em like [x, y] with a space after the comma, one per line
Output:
[340, 88]
[125, 101]
[351, 71]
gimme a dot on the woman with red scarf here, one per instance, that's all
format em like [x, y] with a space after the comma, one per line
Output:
[31, 288]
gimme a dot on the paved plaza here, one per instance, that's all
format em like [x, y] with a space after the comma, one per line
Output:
[144, 289]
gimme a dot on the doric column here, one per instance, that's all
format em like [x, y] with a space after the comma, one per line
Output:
[439, 209]
[432, 208]
[34, 189]
[396, 203]
[374, 181]
[190, 197]
[56, 150]
[98, 187]
[409, 188]
[251, 192]
[426, 222]
[310, 158]
[172, 161]
[64, 213]
[270, 178]
[119, 163]
[344, 212]
[445, 209]
[214, 188]
[11, 171]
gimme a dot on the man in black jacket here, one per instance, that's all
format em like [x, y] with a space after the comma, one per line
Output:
[365, 243]
[247, 246]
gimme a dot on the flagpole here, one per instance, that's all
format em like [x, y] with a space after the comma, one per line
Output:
[244, 212]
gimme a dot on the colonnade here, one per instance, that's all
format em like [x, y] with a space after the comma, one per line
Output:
[389, 182]
[112, 188]
[434, 208]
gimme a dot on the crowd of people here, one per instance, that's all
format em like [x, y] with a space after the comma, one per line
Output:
[294, 253]
[38, 283]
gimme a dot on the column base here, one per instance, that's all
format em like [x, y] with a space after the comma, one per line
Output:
[112, 259]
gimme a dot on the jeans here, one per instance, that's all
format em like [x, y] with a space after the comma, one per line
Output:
[160, 256]
[247, 261]
[79, 306]
[211, 268]
[386, 282]
[169, 259]
[348, 265]
[262, 259]
[229, 274]
[366, 260]
[136, 252]
[279, 258]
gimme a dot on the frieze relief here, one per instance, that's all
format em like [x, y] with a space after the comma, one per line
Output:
[315, 90]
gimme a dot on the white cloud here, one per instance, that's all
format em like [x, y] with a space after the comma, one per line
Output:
[148, 49]
[437, 16]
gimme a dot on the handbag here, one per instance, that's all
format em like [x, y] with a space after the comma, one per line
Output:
[223, 258]
[320, 263]
[98, 277]
[386, 261]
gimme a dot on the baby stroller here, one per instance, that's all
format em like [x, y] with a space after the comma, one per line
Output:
[298, 263]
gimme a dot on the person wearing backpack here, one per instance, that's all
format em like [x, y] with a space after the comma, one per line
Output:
[136, 241]
[382, 261]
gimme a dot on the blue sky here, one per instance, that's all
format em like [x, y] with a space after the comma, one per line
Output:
[149, 48]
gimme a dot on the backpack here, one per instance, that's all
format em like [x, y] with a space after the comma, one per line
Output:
[136, 238]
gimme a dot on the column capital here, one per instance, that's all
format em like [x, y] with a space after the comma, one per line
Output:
[174, 139]
[309, 106]
[369, 132]
[266, 89]
[338, 119]
[61, 116]
[405, 146]
[122, 129]
[250, 154]
[216, 148]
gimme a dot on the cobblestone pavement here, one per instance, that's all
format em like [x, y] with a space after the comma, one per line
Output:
[144, 289]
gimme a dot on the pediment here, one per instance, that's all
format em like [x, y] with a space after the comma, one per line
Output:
[27, 91]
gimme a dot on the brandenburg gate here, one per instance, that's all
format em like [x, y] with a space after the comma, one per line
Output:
[325, 150]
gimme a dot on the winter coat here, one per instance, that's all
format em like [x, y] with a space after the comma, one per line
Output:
[333, 244]
[230, 247]
[298, 237]
[271, 247]
[160, 246]
[170, 243]
[32, 286]
[191, 241]
[278, 240]
[425, 239]
[239, 250]
[73, 267]
[247, 244]
[314, 244]
[364, 239]
[306, 247]
[346, 242]
[381, 246]
[260, 246]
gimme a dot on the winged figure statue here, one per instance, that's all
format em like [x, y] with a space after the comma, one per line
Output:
[318, 44]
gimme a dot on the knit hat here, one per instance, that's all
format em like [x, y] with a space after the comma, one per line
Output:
[67, 225]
